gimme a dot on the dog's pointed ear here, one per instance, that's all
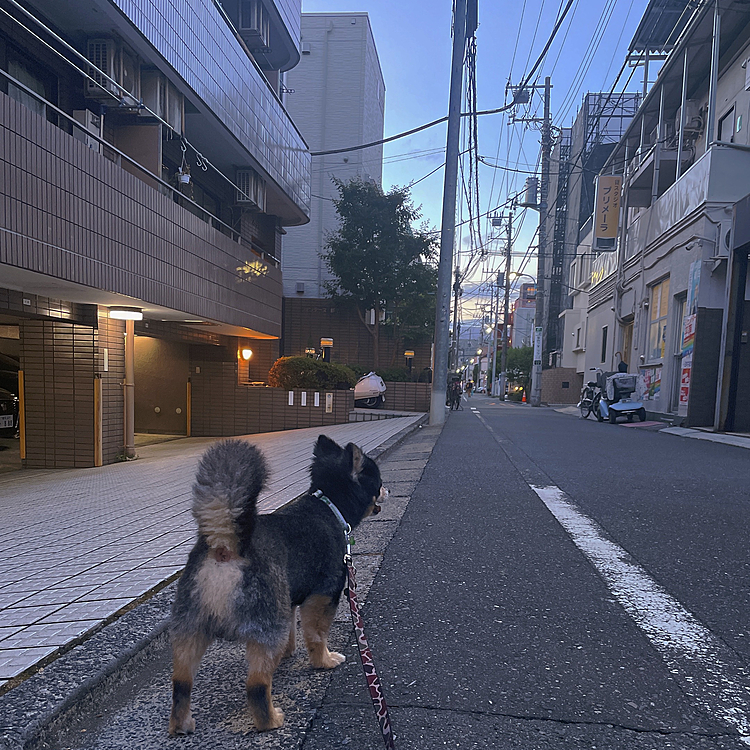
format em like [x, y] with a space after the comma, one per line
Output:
[357, 458]
[325, 447]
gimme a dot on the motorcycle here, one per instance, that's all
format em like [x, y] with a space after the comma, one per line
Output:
[617, 389]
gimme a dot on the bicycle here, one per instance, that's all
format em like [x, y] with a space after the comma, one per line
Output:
[590, 397]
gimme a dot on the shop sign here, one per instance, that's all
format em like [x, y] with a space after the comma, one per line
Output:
[687, 368]
[538, 345]
[650, 383]
[607, 210]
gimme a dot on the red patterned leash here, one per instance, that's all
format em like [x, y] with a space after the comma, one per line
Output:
[365, 655]
[373, 682]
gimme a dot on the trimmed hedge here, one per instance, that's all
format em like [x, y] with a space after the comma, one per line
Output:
[304, 372]
[393, 374]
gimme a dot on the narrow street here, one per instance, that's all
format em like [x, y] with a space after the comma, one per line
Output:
[552, 583]
[493, 627]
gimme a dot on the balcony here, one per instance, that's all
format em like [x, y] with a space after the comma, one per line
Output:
[719, 176]
[231, 114]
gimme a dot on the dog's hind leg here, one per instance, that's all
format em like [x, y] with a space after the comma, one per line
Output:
[187, 652]
[316, 615]
[291, 645]
[262, 662]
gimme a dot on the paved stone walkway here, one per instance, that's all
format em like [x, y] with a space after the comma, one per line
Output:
[78, 546]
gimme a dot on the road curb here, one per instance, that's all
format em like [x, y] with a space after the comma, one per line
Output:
[74, 683]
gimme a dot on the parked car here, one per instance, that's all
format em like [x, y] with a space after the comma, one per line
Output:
[8, 413]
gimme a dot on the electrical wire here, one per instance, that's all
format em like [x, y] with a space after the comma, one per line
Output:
[443, 119]
[125, 94]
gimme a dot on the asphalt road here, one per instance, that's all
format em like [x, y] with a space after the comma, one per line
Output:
[613, 615]
[552, 583]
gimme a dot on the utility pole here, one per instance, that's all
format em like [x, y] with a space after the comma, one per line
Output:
[448, 225]
[541, 273]
[495, 320]
[506, 305]
[456, 324]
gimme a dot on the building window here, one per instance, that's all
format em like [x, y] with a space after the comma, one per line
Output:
[658, 309]
[33, 78]
[578, 337]
[605, 330]
[726, 127]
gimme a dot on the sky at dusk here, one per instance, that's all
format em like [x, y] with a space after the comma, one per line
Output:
[414, 46]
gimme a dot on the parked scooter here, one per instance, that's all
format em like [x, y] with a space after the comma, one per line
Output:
[369, 392]
[617, 389]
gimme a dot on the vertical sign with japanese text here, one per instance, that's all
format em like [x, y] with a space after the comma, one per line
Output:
[688, 336]
[607, 211]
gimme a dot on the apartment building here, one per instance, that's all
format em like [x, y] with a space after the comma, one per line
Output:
[337, 100]
[670, 296]
[150, 170]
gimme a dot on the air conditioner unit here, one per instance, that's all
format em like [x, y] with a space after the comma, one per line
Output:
[129, 78]
[255, 26]
[110, 58]
[92, 123]
[102, 54]
[252, 190]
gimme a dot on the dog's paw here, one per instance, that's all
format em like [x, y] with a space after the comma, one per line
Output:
[275, 720]
[332, 660]
[185, 727]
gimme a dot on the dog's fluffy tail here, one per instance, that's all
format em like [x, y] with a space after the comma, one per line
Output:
[230, 477]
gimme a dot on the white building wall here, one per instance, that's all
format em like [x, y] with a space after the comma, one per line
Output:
[522, 333]
[338, 101]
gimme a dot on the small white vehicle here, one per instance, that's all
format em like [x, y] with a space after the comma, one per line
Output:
[369, 391]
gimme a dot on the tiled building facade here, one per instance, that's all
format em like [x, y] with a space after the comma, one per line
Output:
[147, 162]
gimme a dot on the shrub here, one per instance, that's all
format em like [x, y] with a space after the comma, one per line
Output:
[303, 372]
[338, 376]
[389, 374]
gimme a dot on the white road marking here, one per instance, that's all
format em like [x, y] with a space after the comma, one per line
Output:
[714, 678]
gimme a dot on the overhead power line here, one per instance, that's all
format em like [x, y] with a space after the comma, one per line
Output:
[440, 120]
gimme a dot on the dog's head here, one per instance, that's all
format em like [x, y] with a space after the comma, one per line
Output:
[348, 477]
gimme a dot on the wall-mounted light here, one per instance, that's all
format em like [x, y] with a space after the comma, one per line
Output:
[126, 313]
[246, 353]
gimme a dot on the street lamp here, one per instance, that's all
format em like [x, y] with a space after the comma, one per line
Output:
[409, 354]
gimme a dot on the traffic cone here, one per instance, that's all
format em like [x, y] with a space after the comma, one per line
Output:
[523, 399]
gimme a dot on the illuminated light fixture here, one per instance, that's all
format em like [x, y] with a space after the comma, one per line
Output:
[409, 353]
[246, 353]
[310, 351]
[326, 342]
[126, 313]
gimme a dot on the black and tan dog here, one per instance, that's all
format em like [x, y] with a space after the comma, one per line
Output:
[247, 573]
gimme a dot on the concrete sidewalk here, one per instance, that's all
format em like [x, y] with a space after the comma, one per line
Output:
[77, 547]
[738, 440]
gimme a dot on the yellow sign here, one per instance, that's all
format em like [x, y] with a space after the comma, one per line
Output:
[607, 207]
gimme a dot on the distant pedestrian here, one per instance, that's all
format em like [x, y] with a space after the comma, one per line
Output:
[454, 395]
[469, 388]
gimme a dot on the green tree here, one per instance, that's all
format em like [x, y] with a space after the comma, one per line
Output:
[379, 262]
[519, 363]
